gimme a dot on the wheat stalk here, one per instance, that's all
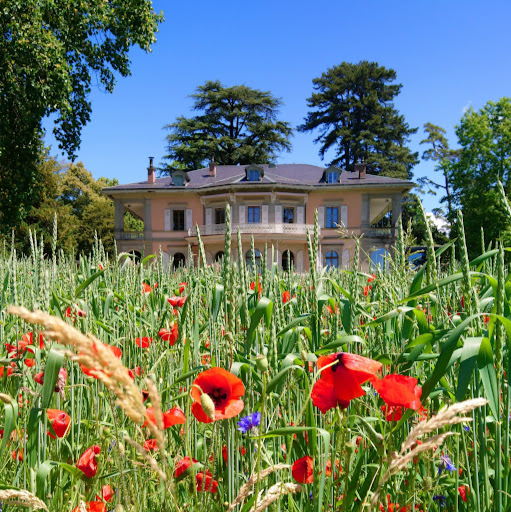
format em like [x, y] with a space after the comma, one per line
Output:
[275, 492]
[21, 498]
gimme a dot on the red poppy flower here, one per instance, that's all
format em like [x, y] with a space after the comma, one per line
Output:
[174, 416]
[303, 470]
[19, 348]
[259, 287]
[30, 362]
[60, 422]
[87, 462]
[392, 412]
[392, 507]
[29, 337]
[399, 390]
[224, 388]
[116, 351]
[367, 289]
[17, 455]
[107, 493]
[286, 297]
[9, 371]
[147, 288]
[177, 302]
[328, 470]
[170, 336]
[150, 445]
[182, 465]
[205, 482]
[331, 311]
[80, 312]
[464, 490]
[372, 278]
[93, 506]
[182, 287]
[144, 342]
[39, 378]
[224, 453]
[341, 382]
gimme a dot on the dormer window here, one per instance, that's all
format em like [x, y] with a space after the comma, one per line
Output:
[179, 178]
[254, 173]
[332, 175]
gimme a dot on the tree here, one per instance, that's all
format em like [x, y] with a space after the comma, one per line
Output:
[352, 109]
[237, 125]
[48, 50]
[485, 158]
[444, 157]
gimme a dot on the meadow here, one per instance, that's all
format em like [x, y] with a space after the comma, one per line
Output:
[129, 386]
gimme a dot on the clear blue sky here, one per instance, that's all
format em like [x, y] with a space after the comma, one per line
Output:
[447, 54]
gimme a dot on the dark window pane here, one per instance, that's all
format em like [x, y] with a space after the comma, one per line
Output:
[289, 215]
[219, 216]
[332, 259]
[254, 214]
[332, 216]
[179, 220]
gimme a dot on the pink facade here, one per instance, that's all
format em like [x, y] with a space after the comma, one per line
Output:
[276, 208]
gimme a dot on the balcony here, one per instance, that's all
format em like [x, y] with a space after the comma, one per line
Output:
[130, 235]
[285, 229]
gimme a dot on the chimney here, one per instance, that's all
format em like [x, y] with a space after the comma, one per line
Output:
[212, 168]
[361, 168]
[151, 177]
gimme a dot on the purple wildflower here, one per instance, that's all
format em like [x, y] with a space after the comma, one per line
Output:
[446, 464]
[249, 422]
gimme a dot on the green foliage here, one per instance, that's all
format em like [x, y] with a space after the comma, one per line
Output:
[47, 53]
[352, 109]
[237, 125]
[484, 158]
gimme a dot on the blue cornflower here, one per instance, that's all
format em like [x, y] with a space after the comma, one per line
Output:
[248, 422]
[446, 464]
[466, 428]
[442, 500]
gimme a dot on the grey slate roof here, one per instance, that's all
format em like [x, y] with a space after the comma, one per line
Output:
[285, 174]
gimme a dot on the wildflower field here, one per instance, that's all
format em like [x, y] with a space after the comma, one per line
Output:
[129, 386]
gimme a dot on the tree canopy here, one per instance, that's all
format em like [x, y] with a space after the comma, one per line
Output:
[48, 52]
[484, 137]
[236, 125]
[352, 109]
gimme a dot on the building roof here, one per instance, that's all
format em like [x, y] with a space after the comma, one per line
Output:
[295, 175]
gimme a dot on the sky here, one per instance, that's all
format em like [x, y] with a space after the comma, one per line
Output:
[448, 55]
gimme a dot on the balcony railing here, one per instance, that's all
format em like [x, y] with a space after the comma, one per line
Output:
[131, 235]
[219, 229]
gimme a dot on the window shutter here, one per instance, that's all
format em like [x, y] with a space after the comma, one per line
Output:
[209, 214]
[241, 214]
[264, 214]
[321, 216]
[188, 219]
[344, 215]
[300, 215]
[278, 214]
[167, 219]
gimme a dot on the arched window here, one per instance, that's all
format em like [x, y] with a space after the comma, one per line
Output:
[138, 256]
[332, 259]
[288, 260]
[179, 260]
[218, 256]
[257, 255]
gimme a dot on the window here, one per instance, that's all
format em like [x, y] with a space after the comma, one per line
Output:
[253, 175]
[332, 259]
[332, 177]
[178, 180]
[179, 220]
[332, 216]
[254, 214]
[288, 260]
[179, 260]
[288, 215]
[219, 215]
[257, 256]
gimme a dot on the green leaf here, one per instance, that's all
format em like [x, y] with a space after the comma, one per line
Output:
[51, 374]
[264, 308]
[341, 340]
[489, 376]
[147, 258]
[296, 321]
[35, 417]
[11, 415]
[468, 361]
[218, 293]
[43, 474]
[281, 376]
[87, 282]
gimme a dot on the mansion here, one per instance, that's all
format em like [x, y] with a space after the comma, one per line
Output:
[273, 203]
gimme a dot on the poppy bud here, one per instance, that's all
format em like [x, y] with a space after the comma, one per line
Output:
[229, 337]
[261, 363]
[6, 399]
[456, 319]
[119, 508]
[208, 405]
